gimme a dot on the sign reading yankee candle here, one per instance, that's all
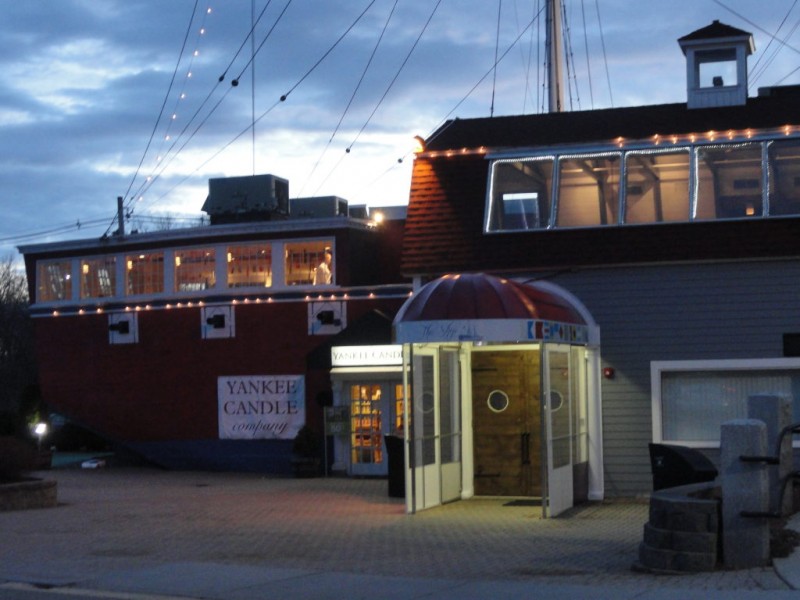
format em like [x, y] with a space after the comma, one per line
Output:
[261, 406]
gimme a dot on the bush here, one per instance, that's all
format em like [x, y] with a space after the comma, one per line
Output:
[16, 458]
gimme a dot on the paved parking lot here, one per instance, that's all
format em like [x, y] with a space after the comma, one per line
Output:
[137, 518]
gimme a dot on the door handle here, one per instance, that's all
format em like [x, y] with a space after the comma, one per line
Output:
[525, 448]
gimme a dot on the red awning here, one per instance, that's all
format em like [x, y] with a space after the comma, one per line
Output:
[480, 296]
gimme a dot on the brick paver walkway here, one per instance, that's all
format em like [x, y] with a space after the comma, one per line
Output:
[122, 518]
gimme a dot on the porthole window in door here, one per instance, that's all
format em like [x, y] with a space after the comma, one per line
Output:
[498, 401]
[556, 400]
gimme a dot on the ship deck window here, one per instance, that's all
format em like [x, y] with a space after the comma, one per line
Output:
[194, 269]
[54, 280]
[784, 177]
[588, 191]
[98, 277]
[250, 265]
[306, 263]
[145, 273]
[729, 181]
[520, 198]
[657, 188]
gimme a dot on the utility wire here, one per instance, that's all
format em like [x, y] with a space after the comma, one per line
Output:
[441, 127]
[324, 56]
[396, 75]
[235, 81]
[605, 55]
[385, 93]
[244, 41]
[353, 95]
[586, 47]
[496, 47]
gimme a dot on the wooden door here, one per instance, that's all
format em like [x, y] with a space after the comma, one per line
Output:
[507, 422]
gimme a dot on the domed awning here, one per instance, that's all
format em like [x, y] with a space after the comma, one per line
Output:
[481, 307]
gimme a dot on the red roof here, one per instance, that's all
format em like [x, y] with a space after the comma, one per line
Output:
[482, 296]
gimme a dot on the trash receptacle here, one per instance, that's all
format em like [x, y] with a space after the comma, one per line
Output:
[678, 465]
[397, 466]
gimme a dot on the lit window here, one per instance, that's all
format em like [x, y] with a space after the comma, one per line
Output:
[145, 273]
[588, 190]
[54, 279]
[657, 187]
[194, 269]
[729, 181]
[98, 277]
[520, 194]
[784, 177]
[249, 266]
[310, 263]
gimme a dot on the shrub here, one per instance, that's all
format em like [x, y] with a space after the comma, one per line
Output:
[16, 457]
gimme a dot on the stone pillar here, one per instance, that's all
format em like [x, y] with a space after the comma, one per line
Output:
[776, 412]
[745, 487]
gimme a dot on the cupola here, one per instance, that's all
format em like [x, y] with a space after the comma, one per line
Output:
[716, 65]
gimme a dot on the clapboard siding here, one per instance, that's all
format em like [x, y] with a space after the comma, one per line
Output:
[725, 310]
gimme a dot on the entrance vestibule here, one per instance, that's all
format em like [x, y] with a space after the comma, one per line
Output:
[506, 405]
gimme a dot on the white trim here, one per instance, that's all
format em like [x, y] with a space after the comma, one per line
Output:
[657, 367]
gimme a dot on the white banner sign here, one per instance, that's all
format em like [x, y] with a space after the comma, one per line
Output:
[357, 356]
[261, 406]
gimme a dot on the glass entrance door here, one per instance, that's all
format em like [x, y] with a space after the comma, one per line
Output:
[434, 428]
[376, 410]
[558, 408]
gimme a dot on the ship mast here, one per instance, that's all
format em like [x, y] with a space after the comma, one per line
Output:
[554, 58]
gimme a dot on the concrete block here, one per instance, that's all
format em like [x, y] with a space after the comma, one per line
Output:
[776, 412]
[671, 560]
[745, 487]
[682, 541]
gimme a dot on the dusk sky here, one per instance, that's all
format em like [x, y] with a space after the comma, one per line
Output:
[83, 82]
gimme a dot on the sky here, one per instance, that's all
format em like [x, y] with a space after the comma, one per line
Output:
[135, 98]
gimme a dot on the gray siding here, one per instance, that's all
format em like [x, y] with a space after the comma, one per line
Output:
[676, 312]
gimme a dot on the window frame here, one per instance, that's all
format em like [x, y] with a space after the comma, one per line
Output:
[657, 367]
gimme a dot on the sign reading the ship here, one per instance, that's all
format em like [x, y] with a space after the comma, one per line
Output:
[261, 406]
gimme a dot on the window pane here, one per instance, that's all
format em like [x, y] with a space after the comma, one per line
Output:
[588, 191]
[54, 280]
[784, 178]
[98, 277]
[366, 424]
[145, 273]
[729, 181]
[194, 270]
[717, 68]
[250, 266]
[423, 432]
[450, 407]
[694, 404]
[657, 189]
[520, 194]
[310, 263]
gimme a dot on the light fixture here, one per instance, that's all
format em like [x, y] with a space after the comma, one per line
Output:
[40, 430]
[419, 144]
